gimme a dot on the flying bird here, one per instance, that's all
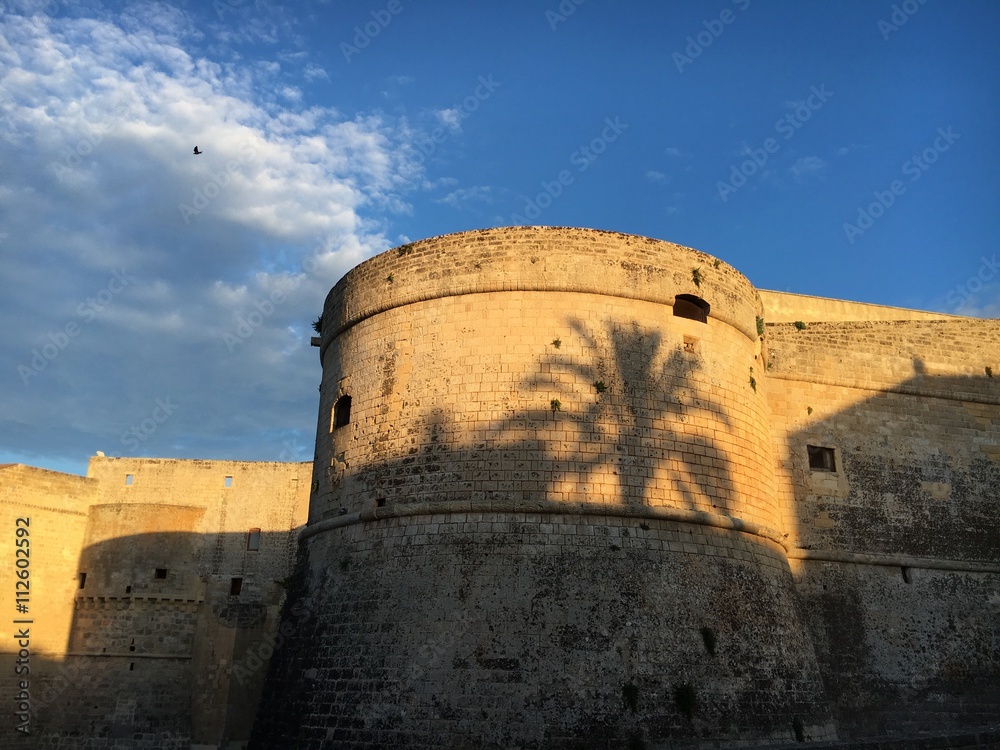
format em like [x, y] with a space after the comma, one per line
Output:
[197, 152]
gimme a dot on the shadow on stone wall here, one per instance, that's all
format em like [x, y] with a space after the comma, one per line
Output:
[169, 644]
[904, 643]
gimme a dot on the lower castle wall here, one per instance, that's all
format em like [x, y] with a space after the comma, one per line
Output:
[540, 631]
[904, 655]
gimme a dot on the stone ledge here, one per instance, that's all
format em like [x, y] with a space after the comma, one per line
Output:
[680, 515]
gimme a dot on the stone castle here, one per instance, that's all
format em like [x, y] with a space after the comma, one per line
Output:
[572, 489]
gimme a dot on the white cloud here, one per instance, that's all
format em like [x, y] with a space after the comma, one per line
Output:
[657, 177]
[457, 198]
[451, 118]
[807, 166]
[99, 118]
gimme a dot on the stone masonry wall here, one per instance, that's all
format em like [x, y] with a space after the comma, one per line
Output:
[896, 552]
[55, 506]
[169, 614]
[538, 447]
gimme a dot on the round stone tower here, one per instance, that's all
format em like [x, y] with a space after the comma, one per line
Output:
[543, 507]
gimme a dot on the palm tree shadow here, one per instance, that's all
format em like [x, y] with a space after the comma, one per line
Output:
[640, 424]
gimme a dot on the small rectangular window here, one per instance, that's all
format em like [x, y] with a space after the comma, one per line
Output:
[128, 479]
[253, 540]
[160, 574]
[342, 412]
[228, 481]
[235, 586]
[821, 459]
[83, 580]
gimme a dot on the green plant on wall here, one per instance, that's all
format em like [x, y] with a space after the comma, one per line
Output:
[556, 343]
[753, 381]
[556, 404]
[318, 326]
[716, 263]
[404, 249]
[799, 325]
[600, 386]
[760, 326]
[389, 278]
[696, 276]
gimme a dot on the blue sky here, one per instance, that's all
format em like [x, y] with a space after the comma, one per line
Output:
[843, 149]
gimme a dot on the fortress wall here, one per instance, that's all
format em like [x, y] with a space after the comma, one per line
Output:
[904, 655]
[786, 307]
[895, 554]
[150, 658]
[554, 259]
[56, 506]
[543, 631]
[915, 423]
[460, 489]
[474, 422]
[463, 359]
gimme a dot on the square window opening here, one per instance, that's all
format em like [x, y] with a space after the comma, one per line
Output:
[821, 458]
[160, 574]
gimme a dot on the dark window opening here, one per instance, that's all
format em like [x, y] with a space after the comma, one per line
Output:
[906, 573]
[161, 573]
[691, 307]
[132, 645]
[128, 589]
[131, 666]
[821, 459]
[380, 502]
[235, 586]
[83, 579]
[342, 412]
[253, 540]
